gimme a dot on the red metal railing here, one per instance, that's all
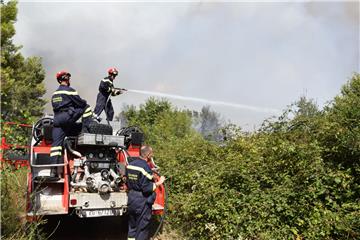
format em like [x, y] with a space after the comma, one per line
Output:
[6, 148]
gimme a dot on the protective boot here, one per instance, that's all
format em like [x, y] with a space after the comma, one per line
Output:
[53, 175]
[87, 122]
[59, 172]
[97, 118]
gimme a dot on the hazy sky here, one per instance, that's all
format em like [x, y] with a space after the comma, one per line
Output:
[262, 54]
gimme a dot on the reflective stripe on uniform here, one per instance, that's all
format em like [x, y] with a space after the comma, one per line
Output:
[88, 110]
[66, 92]
[57, 99]
[55, 151]
[132, 176]
[146, 174]
[56, 148]
[55, 154]
[87, 114]
[131, 238]
[105, 80]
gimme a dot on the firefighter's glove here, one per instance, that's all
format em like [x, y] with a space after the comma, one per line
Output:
[161, 181]
[115, 92]
[97, 118]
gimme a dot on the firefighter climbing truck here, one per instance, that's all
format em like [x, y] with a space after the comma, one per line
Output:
[91, 181]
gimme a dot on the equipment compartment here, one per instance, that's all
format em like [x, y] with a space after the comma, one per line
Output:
[100, 139]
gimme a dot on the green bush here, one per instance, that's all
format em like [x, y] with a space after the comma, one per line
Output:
[297, 177]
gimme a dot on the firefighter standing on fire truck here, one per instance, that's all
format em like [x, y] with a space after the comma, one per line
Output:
[141, 194]
[68, 108]
[103, 101]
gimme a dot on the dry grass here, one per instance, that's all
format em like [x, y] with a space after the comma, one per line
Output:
[13, 205]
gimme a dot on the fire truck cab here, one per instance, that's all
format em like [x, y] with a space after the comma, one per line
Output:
[92, 180]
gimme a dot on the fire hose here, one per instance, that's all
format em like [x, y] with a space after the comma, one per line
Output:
[68, 146]
[118, 91]
[164, 214]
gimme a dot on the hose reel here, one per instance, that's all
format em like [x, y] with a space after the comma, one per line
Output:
[133, 135]
[43, 129]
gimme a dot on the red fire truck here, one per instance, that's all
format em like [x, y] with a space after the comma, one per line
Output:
[91, 180]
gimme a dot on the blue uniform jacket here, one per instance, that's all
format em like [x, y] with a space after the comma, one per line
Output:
[140, 179]
[105, 87]
[68, 106]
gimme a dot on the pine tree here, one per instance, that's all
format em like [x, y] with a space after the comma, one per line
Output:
[21, 78]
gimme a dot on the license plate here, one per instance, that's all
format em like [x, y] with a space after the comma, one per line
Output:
[102, 212]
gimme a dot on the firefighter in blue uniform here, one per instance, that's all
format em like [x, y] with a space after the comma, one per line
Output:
[141, 194]
[68, 108]
[103, 101]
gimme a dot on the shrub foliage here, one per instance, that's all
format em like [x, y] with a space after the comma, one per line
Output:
[297, 177]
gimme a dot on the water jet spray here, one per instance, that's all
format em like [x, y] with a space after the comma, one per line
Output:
[205, 101]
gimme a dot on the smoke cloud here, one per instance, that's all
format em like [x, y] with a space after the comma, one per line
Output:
[254, 54]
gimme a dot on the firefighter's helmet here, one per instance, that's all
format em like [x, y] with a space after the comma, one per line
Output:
[113, 71]
[62, 75]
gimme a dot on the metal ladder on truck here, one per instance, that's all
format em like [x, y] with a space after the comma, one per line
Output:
[46, 196]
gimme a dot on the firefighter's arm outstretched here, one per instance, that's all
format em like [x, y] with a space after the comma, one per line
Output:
[117, 91]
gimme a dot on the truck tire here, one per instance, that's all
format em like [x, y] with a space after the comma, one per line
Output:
[98, 128]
